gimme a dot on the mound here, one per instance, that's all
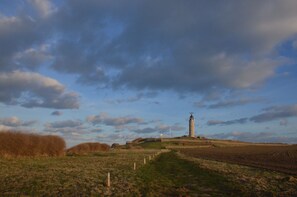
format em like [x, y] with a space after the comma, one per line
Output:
[85, 148]
[15, 144]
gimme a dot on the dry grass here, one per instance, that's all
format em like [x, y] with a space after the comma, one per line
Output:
[16, 144]
[72, 175]
[257, 181]
[86, 148]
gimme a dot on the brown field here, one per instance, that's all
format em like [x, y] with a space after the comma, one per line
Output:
[273, 157]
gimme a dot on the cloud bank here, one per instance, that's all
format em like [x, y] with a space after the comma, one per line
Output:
[31, 90]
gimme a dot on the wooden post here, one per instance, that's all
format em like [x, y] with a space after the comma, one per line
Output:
[134, 166]
[144, 161]
[108, 179]
[149, 158]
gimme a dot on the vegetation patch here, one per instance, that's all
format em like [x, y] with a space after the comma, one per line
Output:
[170, 175]
[16, 144]
[86, 148]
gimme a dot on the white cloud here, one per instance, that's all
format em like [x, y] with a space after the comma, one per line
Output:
[14, 123]
[44, 7]
[30, 89]
[104, 118]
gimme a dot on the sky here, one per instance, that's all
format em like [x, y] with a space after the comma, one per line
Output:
[109, 71]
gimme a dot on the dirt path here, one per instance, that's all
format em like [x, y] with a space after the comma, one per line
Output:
[170, 175]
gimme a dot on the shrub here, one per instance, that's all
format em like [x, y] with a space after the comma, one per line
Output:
[15, 144]
[89, 147]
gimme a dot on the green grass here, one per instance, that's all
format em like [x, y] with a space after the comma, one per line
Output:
[153, 145]
[169, 175]
[71, 175]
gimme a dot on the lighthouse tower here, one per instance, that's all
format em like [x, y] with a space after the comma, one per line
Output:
[191, 126]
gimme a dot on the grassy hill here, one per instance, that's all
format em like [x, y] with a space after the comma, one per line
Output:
[181, 142]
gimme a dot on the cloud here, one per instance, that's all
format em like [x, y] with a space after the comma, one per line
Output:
[283, 122]
[134, 98]
[226, 103]
[104, 118]
[274, 113]
[267, 137]
[20, 40]
[145, 130]
[65, 123]
[43, 7]
[56, 113]
[294, 44]
[30, 90]
[32, 58]
[183, 47]
[229, 122]
[269, 114]
[16, 122]
[160, 128]
[70, 129]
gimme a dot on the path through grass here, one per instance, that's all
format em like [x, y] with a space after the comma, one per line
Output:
[170, 175]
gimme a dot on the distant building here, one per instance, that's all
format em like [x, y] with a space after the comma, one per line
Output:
[191, 126]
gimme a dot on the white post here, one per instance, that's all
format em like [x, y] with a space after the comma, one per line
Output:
[108, 179]
[144, 161]
[134, 166]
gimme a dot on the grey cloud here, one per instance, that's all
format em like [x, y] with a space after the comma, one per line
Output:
[34, 90]
[283, 122]
[104, 118]
[160, 128]
[226, 103]
[68, 128]
[145, 130]
[294, 44]
[181, 47]
[32, 58]
[269, 114]
[274, 113]
[16, 122]
[134, 98]
[229, 122]
[231, 103]
[44, 7]
[63, 124]
[97, 130]
[56, 113]
[19, 36]
[76, 59]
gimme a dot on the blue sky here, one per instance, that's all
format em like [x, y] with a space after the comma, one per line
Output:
[106, 71]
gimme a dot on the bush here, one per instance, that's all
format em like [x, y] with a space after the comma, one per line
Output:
[15, 144]
[89, 147]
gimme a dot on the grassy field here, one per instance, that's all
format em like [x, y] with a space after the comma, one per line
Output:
[71, 175]
[169, 174]
[256, 181]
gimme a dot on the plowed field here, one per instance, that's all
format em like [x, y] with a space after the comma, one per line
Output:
[273, 157]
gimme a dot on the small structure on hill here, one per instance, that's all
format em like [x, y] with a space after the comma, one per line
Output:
[191, 126]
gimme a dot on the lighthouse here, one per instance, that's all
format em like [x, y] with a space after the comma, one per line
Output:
[191, 126]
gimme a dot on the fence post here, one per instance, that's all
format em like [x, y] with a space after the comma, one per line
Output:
[108, 179]
[134, 166]
[144, 161]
